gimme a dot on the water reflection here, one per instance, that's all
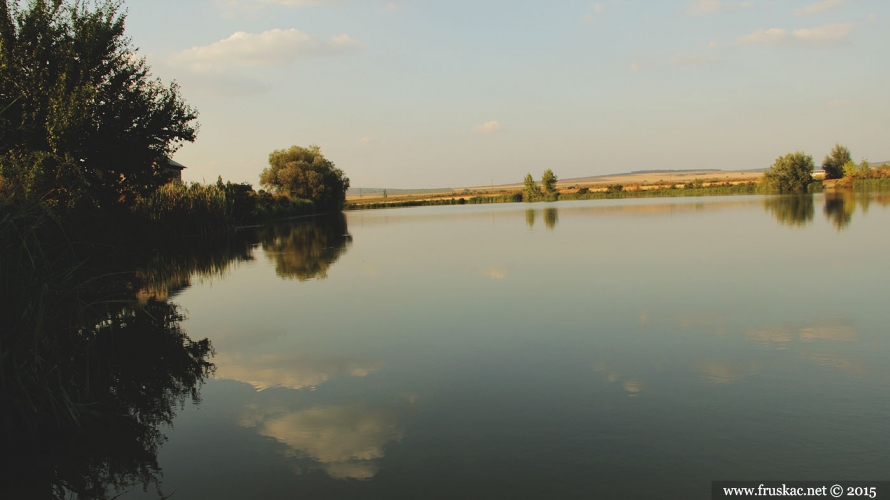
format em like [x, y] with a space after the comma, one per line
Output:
[791, 210]
[344, 441]
[720, 372]
[530, 218]
[292, 372]
[840, 207]
[551, 218]
[306, 250]
[127, 375]
[167, 270]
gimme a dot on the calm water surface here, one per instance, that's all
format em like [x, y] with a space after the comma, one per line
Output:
[595, 349]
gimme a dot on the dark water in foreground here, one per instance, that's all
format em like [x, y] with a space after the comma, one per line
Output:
[597, 349]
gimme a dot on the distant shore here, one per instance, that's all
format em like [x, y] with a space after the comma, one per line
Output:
[636, 184]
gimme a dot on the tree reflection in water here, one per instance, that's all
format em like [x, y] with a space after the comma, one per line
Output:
[530, 217]
[551, 218]
[88, 374]
[840, 207]
[791, 210]
[306, 250]
[125, 376]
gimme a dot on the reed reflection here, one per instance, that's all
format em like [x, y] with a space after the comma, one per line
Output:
[170, 269]
[124, 378]
[791, 210]
[307, 249]
[92, 367]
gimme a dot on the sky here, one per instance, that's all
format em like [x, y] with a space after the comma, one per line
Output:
[455, 93]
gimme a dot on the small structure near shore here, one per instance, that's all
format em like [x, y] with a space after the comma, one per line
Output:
[173, 169]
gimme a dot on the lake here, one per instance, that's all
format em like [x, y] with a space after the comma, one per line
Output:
[636, 348]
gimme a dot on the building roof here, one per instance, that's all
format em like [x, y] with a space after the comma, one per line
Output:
[175, 164]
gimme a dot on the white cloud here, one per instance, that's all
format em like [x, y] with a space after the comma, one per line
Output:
[365, 140]
[823, 35]
[489, 127]
[701, 7]
[634, 67]
[872, 18]
[712, 44]
[599, 8]
[695, 60]
[276, 47]
[772, 35]
[821, 6]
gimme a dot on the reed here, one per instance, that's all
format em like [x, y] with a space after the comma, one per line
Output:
[194, 209]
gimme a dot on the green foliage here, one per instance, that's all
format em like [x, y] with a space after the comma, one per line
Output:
[81, 121]
[834, 162]
[791, 173]
[864, 169]
[305, 173]
[531, 192]
[548, 182]
[850, 169]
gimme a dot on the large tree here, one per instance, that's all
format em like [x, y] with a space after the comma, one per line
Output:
[305, 173]
[531, 191]
[834, 162]
[81, 119]
[548, 181]
[791, 173]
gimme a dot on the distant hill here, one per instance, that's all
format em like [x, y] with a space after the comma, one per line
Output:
[392, 191]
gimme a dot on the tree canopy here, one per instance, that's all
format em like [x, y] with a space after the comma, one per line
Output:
[305, 173]
[81, 119]
[834, 162]
[548, 181]
[791, 173]
[531, 192]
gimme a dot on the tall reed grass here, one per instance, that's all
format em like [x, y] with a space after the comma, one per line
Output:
[194, 209]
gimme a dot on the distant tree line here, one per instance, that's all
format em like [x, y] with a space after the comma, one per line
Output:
[793, 173]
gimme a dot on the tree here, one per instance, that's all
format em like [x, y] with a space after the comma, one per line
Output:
[548, 181]
[791, 173]
[81, 120]
[531, 192]
[305, 173]
[834, 162]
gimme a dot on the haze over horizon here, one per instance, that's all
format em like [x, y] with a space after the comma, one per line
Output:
[422, 94]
